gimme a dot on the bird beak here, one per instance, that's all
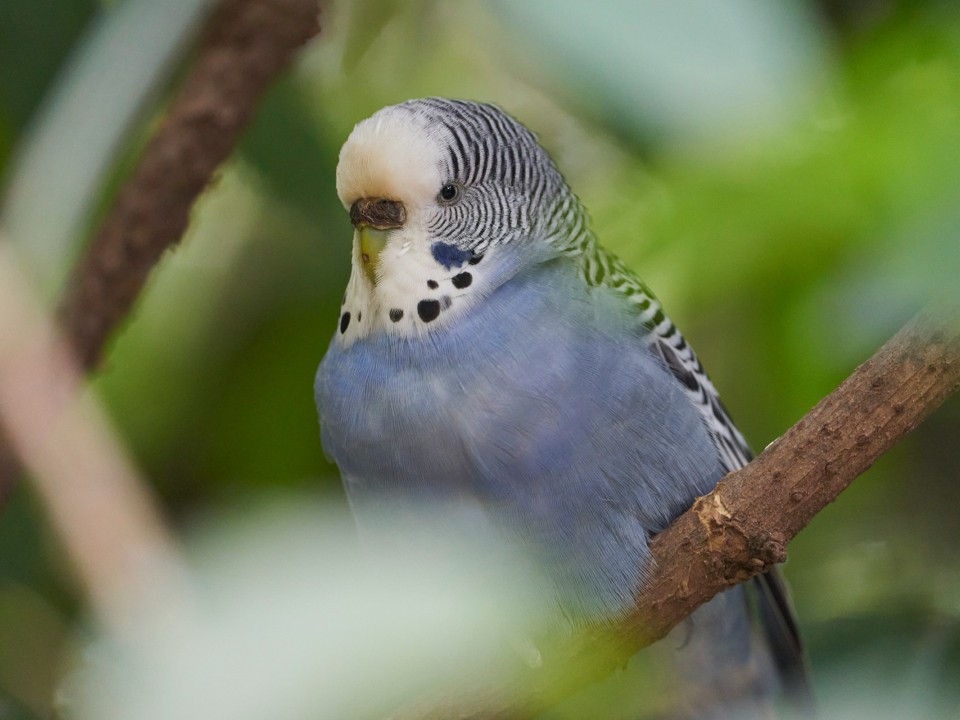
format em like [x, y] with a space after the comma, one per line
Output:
[374, 219]
[371, 243]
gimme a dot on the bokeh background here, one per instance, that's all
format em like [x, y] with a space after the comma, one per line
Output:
[786, 177]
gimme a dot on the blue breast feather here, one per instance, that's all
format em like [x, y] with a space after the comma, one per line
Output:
[544, 407]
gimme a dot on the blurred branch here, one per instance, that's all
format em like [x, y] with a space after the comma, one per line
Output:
[246, 44]
[98, 505]
[742, 528]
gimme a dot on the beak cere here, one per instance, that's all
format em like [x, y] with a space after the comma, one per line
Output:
[374, 218]
[378, 213]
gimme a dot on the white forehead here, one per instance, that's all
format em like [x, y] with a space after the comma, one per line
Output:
[394, 155]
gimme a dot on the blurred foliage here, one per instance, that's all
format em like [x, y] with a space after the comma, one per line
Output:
[32, 50]
[323, 634]
[790, 228]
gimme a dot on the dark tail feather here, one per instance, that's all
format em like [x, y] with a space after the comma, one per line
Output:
[780, 626]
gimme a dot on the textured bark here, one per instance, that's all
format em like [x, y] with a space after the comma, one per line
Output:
[247, 44]
[742, 528]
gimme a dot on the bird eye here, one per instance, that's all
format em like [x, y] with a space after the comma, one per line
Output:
[450, 193]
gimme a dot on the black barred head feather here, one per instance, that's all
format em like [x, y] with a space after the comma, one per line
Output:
[471, 181]
[507, 187]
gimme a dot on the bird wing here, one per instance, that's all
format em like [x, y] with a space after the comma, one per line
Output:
[602, 268]
[777, 617]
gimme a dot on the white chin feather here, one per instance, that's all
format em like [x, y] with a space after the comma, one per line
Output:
[413, 295]
[395, 155]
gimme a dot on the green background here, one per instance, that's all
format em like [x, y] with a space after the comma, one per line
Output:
[792, 198]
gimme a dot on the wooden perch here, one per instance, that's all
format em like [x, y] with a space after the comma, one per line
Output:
[742, 528]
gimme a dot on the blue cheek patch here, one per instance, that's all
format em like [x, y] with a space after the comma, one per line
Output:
[450, 255]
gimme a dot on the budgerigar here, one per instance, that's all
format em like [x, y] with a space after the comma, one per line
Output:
[491, 355]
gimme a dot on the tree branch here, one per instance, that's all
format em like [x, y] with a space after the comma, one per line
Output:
[103, 512]
[247, 44]
[742, 528]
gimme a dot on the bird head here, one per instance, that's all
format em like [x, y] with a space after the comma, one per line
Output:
[448, 199]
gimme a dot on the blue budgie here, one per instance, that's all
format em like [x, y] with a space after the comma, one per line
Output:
[492, 356]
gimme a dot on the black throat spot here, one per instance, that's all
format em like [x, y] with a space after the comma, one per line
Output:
[428, 310]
